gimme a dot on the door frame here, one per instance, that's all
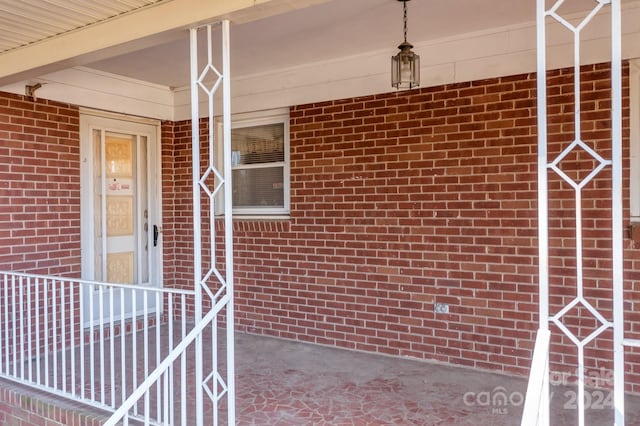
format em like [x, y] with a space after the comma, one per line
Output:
[89, 118]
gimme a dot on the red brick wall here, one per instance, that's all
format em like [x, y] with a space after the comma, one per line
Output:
[180, 201]
[399, 201]
[22, 407]
[39, 186]
[178, 205]
[402, 200]
[168, 200]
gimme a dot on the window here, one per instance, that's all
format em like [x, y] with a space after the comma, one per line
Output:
[260, 164]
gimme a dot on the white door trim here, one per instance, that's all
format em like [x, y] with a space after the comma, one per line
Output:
[89, 118]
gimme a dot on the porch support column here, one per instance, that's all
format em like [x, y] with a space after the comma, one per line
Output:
[197, 215]
[617, 212]
[228, 220]
[581, 143]
[213, 276]
[543, 203]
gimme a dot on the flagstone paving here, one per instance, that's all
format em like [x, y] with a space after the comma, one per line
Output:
[287, 383]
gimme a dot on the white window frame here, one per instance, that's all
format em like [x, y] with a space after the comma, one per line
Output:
[634, 155]
[260, 118]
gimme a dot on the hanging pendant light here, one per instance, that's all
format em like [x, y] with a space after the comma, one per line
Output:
[405, 66]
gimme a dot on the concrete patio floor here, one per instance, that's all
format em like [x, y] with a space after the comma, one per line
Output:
[288, 383]
[285, 383]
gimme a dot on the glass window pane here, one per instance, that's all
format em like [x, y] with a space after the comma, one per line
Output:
[259, 187]
[258, 144]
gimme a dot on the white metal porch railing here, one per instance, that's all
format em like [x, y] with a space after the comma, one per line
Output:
[164, 374]
[51, 340]
[536, 404]
[126, 348]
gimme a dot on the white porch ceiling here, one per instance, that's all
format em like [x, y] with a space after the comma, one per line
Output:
[284, 52]
[23, 22]
[335, 29]
[307, 31]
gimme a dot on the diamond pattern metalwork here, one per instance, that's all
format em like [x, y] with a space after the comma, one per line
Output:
[577, 303]
[578, 183]
[208, 74]
[213, 284]
[211, 172]
[220, 279]
[575, 167]
[553, 12]
[220, 387]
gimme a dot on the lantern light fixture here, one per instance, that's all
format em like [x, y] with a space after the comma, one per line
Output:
[405, 65]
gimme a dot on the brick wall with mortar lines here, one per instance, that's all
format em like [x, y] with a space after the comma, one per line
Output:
[398, 201]
[40, 229]
[22, 407]
[181, 215]
[39, 201]
[39, 218]
[39, 186]
[168, 199]
[177, 205]
[402, 200]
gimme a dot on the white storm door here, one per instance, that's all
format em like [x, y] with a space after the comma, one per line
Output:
[120, 215]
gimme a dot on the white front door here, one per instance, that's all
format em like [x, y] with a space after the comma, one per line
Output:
[120, 184]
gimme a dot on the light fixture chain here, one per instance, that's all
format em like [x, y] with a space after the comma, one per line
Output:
[404, 3]
[405, 65]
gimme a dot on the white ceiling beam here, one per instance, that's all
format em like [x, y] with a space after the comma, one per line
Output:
[137, 30]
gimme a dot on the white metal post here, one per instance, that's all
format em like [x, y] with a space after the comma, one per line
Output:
[617, 211]
[615, 162]
[217, 287]
[197, 219]
[228, 220]
[543, 203]
[543, 209]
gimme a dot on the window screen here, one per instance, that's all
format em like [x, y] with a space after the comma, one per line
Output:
[259, 168]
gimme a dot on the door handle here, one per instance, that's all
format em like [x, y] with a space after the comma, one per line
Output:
[156, 234]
